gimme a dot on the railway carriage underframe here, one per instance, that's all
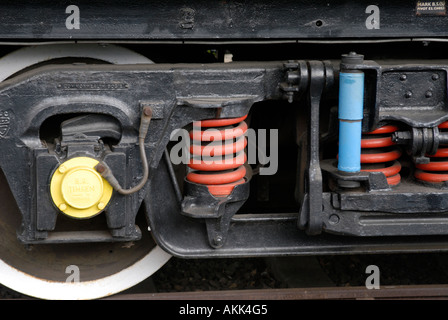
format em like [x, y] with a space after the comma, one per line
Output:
[98, 109]
[91, 119]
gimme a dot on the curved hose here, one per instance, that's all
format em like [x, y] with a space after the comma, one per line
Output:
[104, 170]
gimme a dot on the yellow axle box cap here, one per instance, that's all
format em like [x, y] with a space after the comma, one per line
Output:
[78, 190]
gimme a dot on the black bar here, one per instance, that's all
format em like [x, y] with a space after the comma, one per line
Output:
[218, 20]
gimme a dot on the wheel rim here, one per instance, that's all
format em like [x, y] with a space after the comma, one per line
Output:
[44, 271]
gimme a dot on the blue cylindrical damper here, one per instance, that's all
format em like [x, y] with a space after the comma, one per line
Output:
[351, 105]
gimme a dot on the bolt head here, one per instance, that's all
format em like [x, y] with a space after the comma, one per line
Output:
[147, 111]
[100, 168]
[217, 240]
[352, 58]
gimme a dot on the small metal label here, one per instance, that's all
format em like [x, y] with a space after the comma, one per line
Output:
[93, 86]
[431, 8]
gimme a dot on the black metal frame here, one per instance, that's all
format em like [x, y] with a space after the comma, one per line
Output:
[195, 224]
[178, 95]
[397, 94]
[140, 20]
[183, 94]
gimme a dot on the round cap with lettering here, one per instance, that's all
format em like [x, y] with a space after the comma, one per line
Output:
[78, 190]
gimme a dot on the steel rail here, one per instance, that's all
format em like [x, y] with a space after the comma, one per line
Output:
[406, 292]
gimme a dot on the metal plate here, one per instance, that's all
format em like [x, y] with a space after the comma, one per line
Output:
[140, 20]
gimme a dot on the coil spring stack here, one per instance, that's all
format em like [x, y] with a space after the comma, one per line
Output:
[380, 154]
[436, 170]
[216, 185]
[224, 139]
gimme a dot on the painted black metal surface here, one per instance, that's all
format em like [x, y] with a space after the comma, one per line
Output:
[220, 20]
[179, 95]
[404, 95]
[262, 235]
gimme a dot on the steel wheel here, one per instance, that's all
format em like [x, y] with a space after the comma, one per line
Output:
[46, 271]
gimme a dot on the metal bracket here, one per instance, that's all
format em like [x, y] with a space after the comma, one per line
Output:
[311, 218]
[217, 212]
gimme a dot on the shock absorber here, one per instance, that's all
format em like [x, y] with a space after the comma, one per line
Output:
[379, 153]
[350, 114]
[436, 170]
[218, 154]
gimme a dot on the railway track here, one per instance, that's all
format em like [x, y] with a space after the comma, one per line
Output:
[281, 280]
[303, 278]
[407, 292]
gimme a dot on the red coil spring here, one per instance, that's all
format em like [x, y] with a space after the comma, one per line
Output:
[383, 160]
[436, 170]
[218, 155]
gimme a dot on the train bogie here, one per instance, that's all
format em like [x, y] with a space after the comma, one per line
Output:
[133, 133]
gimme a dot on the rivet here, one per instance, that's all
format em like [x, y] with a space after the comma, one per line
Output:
[101, 205]
[62, 207]
[334, 219]
[62, 169]
[217, 240]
